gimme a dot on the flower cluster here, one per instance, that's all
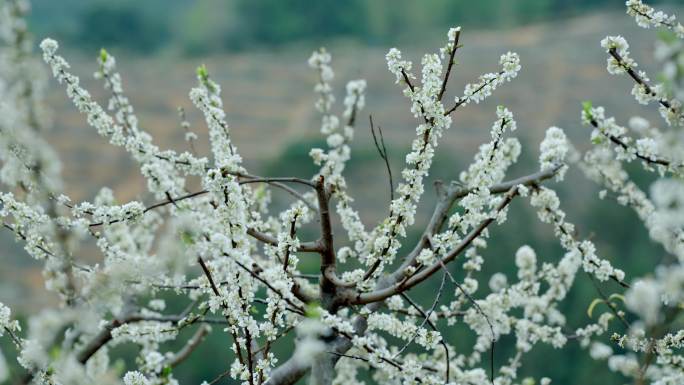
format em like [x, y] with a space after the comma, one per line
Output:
[6, 321]
[647, 149]
[548, 205]
[619, 63]
[553, 151]
[621, 47]
[652, 298]
[647, 17]
[487, 83]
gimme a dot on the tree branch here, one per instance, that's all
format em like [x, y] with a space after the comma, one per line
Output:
[189, 347]
[328, 280]
[406, 284]
[451, 64]
[217, 293]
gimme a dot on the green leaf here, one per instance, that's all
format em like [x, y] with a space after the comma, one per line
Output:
[586, 107]
[55, 352]
[103, 55]
[119, 367]
[617, 296]
[166, 371]
[593, 304]
[187, 238]
[313, 310]
[202, 72]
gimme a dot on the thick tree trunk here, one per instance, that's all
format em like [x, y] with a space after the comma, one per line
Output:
[322, 370]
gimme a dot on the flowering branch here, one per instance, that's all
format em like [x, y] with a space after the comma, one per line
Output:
[356, 313]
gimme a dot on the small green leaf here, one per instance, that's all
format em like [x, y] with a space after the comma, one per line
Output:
[617, 296]
[103, 55]
[202, 72]
[586, 107]
[55, 352]
[593, 304]
[166, 371]
[186, 237]
[313, 310]
[119, 367]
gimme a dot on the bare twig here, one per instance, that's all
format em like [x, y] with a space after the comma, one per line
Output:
[382, 150]
[434, 327]
[451, 64]
[426, 317]
[189, 347]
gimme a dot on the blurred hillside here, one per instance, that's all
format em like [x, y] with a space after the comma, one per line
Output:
[269, 100]
[267, 91]
[202, 26]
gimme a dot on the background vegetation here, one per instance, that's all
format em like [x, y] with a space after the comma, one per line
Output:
[208, 25]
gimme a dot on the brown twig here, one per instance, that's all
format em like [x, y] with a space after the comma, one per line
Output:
[451, 64]
[637, 78]
[217, 293]
[382, 150]
[619, 142]
[189, 347]
[328, 260]
[379, 295]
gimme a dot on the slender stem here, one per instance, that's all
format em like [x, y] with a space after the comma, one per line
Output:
[217, 293]
[451, 64]
[620, 142]
[637, 78]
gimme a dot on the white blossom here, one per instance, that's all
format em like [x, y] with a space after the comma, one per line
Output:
[643, 298]
[227, 246]
[135, 378]
[647, 17]
[553, 151]
[477, 92]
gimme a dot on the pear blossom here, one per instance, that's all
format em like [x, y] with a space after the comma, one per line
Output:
[646, 17]
[648, 299]
[222, 245]
[487, 83]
